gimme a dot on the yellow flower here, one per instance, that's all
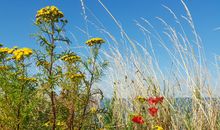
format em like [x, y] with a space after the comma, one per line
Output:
[10, 51]
[19, 54]
[27, 51]
[76, 76]
[60, 123]
[94, 41]
[27, 79]
[32, 79]
[157, 127]
[102, 129]
[71, 58]
[4, 67]
[93, 110]
[140, 99]
[4, 50]
[43, 63]
[47, 124]
[48, 14]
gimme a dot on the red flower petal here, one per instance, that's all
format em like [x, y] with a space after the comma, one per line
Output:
[159, 99]
[153, 111]
[155, 100]
[138, 119]
[151, 100]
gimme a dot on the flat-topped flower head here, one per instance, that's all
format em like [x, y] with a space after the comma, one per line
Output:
[4, 50]
[30, 79]
[4, 68]
[19, 54]
[48, 14]
[93, 41]
[10, 51]
[75, 76]
[71, 58]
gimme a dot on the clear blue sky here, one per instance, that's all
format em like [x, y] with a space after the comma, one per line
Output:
[17, 17]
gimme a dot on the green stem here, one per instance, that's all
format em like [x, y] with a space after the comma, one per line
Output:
[88, 91]
[21, 91]
[52, 94]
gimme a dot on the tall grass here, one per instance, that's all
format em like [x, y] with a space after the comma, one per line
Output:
[136, 70]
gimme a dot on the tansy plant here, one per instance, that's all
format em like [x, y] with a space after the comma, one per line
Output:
[17, 88]
[51, 24]
[69, 87]
[78, 94]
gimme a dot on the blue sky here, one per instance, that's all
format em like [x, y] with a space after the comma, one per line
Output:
[17, 18]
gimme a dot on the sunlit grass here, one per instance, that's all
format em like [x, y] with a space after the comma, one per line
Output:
[125, 85]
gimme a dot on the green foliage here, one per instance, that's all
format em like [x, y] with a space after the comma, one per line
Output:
[59, 96]
[17, 92]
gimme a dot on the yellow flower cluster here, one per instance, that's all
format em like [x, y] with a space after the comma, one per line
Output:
[76, 76]
[71, 58]
[43, 63]
[48, 14]
[27, 79]
[94, 41]
[19, 54]
[4, 67]
[5, 50]
[59, 123]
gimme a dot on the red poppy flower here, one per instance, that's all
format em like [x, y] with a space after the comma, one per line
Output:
[138, 119]
[155, 100]
[151, 100]
[153, 111]
[159, 99]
